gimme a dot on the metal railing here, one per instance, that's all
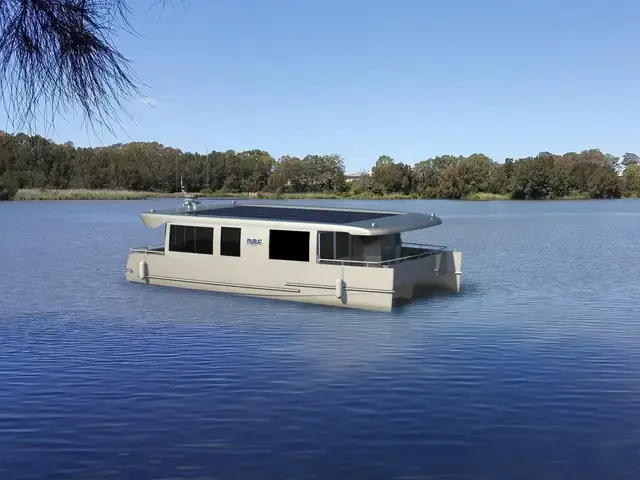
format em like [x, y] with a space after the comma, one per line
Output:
[153, 249]
[409, 251]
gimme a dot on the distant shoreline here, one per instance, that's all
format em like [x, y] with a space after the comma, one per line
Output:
[34, 194]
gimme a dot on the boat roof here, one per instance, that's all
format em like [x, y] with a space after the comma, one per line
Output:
[354, 221]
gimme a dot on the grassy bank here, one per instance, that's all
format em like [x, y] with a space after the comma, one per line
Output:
[487, 196]
[84, 194]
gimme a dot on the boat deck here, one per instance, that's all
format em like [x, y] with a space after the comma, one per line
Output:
[409, 251]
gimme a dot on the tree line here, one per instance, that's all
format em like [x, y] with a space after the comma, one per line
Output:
[35, 162]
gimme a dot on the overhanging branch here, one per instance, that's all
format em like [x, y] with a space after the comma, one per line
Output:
[58, 55]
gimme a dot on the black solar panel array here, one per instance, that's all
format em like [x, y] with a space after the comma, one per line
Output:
[259, 212]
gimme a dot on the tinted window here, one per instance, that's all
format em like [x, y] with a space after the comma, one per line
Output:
[230, 242]
[289, 245]
[343, 241]
[189, 239]
[326, 245]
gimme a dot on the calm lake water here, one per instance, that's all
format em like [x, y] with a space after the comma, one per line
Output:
[532, 372]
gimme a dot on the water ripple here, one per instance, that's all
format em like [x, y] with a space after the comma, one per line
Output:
[531, 372]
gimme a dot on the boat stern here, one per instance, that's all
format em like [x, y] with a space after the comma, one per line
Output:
[440, 271]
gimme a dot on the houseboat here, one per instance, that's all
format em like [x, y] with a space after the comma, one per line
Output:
[332, 256]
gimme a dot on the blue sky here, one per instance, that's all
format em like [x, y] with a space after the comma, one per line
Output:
[411, 79]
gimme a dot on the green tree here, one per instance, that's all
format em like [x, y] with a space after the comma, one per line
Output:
[474, 174]
[389, 177]
[324, 173]
[385, 160]
[532, 178]
[632, 180]
[630, 159]
[428, 174]
[8, 187]
[288, 174]
[604, 184]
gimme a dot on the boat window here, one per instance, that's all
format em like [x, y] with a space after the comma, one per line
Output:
[334, 245]
[289, 245]
[326, 245]
[230, 242]
[188, 239]
[343, 245]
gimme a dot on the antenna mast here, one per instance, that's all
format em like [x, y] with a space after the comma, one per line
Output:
[190, 201]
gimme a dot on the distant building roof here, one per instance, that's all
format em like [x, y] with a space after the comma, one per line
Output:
[355, 175]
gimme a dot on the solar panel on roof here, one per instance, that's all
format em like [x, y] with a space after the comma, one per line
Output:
[259, 212]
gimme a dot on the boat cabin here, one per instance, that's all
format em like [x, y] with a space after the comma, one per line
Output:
[329, 236]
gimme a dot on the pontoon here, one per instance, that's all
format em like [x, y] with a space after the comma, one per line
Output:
[331, 256]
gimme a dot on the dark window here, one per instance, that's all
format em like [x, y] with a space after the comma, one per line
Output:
[370, 239]
[189, 239]
[326, 245]
[343, 247]
[289, 245]
[230, 242]
[334, 245]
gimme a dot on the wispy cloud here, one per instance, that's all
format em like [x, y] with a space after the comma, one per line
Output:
[150, 101]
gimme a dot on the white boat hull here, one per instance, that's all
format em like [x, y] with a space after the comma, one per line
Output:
[363, 287]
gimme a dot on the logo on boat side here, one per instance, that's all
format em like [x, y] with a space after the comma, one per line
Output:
[254, 241]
